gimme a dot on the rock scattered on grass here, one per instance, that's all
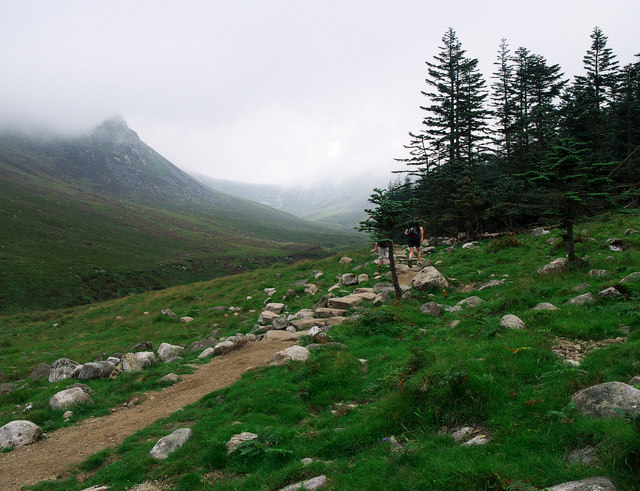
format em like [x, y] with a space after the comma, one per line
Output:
[169, 352]
[511, 321]
[169, 378]
[170, 443]
[558, 265]
[68, 398]
[545, 306]
[609, 293]
[310, 484]
[431, 308]
[581, 299]
[589, 484]
[606, 399]
[239, 439]
[293, 353]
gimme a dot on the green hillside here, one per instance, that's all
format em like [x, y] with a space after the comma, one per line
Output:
[378, 410]
[70, 234]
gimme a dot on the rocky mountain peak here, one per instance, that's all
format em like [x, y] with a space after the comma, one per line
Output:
[116, 130]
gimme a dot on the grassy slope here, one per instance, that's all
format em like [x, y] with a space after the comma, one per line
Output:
[62, 245]
[420, 375]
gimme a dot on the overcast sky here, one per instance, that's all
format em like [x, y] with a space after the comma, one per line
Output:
[270, 91]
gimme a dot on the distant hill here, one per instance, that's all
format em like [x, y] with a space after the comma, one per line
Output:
[336, 203]
[104, 215]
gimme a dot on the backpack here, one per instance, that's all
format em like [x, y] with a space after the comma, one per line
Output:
[414, 231]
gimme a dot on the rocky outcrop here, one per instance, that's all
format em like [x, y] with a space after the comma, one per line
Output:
[293, 353]
[41, 370]
[62, 369]
[99, 369]
[169, 352]
[590, 484]
[137, 361]
[170, 443]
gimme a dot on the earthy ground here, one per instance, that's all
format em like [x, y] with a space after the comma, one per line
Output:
[53, 455]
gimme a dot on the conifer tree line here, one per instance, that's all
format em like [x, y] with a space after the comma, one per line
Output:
[528, 147]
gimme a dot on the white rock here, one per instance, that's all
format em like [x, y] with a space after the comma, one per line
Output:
[170, 443]
[589, 484]
[545, 306]
[278, 308]
[69, 397]
[206, 353]
[470, 302]
[610, 292]
[310, 484]
[168, 352]
[267, 317]
[62, 369]
[240, 438]
[224, 347]
[345, 260]
[19, 433]
[363, 278]
[558, 265]
[512, 322]
[429, 278]
[581, 299]
[348, 279]
[186, 319]
[293, 353]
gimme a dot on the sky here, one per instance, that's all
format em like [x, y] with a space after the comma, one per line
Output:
[271, 91]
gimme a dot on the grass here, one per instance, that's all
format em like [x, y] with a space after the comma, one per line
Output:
[420, 376]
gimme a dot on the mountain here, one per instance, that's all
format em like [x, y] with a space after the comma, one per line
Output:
[104, 215]
[337, 203]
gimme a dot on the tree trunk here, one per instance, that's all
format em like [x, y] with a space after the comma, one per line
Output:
[394, 275]
[569, 240]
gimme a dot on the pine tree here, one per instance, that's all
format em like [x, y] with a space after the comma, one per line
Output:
[503, 101]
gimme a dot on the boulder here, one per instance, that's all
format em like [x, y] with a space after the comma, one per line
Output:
[323, 302]
[206, 353]
[470, 302]
[186, 319]
[558, 265]
[429, 278]
[280, 322]
[308, 323]
[327, 312]
[267, 316]
[293, 353]
[239, 439]
[204, 343]
[581, 287]
[545, 306]
[491, 284]
[348, 279]
[344, 303]
[512, 322]
[99, 369]
[301, 314]
[224, 347]
[70, 397]
[605, 399]
[345, 260]
[169, 378]
[363, 278]
[18, 434]
[170, 443]
[41, 370]
[137, 361]
[598, 272]
[635, 381]
[7, 387]
[312, 484]
[609, 293]
[383, 288]
[631, 278]
[275, 307]
[168, 313]
[310, 289]
[169, 352]
[62, 369]
[380, 298]
[581, 299]
[589, 484]
[431, 308]
[537, 232]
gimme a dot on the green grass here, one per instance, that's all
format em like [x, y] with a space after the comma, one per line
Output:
[419, 377]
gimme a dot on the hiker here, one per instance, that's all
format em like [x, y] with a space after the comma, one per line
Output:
[382, 248]
[415, 236]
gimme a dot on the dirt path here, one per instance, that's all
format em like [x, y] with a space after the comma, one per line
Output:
[65, 447]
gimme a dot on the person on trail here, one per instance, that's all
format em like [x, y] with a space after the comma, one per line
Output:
[382, 248]
[415, 236]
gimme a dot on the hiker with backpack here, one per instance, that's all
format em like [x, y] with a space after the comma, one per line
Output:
[415, 236]
[382, 248]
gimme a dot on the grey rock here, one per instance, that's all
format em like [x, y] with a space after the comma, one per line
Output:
[67, 415]
[470, 245]
[581, 287]
[238, 439]
[511, 321]
[170, 443]
[598, 272]
[589, 484]
[348, 279]
[605, 399]
[207, 352]
[168, 313]
[476, 440]
[202, 344]
[218, 308]
[169, 378]
[62, 369]
[137, 361]
[545, 306]
[537, 232]
[167, 352]
[471, 302]
[70, 397]
[558, 265]
[380, 298]
[363, 278]
[280, 322]
[19, 433]
[323, 302]
[310, 484]
[609, 293]
[100, 369]
[383, 288]
[275, 307]
[631, 278]
[7, 387]
[586, 456]
[293, 353]
[41, 370]
[301, 314]
[462, 433]
[491, 284]
[429, 278]
[635, 381]
[345, 260]
[267, 316]
[581, 299]
[316, 273]
[431, 308]
[224, 347]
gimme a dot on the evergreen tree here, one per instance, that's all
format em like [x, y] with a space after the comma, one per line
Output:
[503, 103]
